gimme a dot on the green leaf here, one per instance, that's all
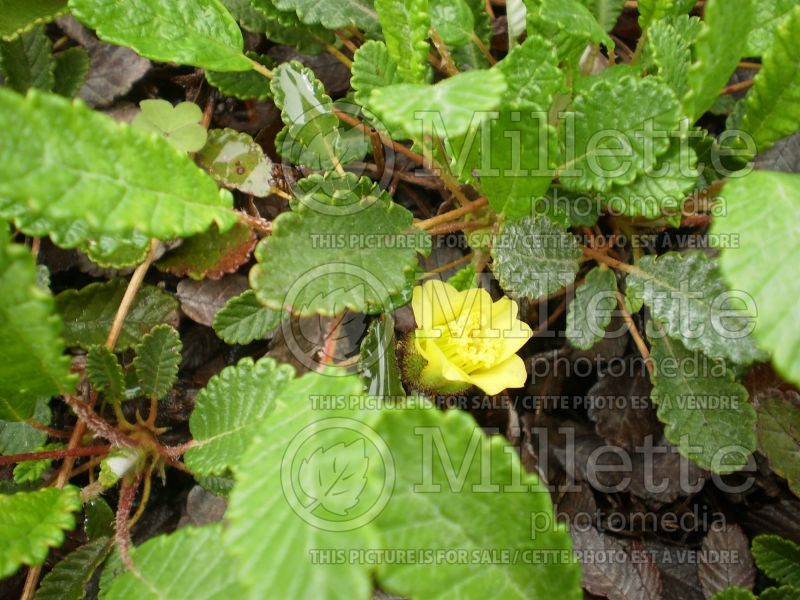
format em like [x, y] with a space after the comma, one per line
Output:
[669, 44]
[778, 558]
[285, 27]
[268, 513]
[113, 252]
[532, 76]
[186, 563]
[33, 522]
[89, 312]
[405, 25]
[660, 190]
[705, 413]
[717, 52]
[202, 34]
[590, 312]
[31, 471]
[534, 257]
[779, 437]
[687, 293]
[334, 14]
[454, 21]
[768, 17]
[378, 362]
[17, 437]
[602, 147]
[115, 178]
[179, 125]
[19, 16]
[105, 372]
[576, 18]
[311, 135]
[70, 577]
[158, 357]
[517, 19]
[461, 102]
[605, 11]
[69, 73]
[373, 68]
[469, 495]
[653, 10]
[247, 85]
[771, 107]
[230, 409]
[337, 263]
[464, 279]
[785, 592]
[244, 319]
[734, 593]
[32, 361]
[236, 161]
[212, 254]
[757, 232]
[98, 519]
[26, 62]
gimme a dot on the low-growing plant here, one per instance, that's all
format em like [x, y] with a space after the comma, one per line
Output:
[576, 166]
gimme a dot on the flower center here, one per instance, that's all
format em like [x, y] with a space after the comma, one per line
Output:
[468, 345]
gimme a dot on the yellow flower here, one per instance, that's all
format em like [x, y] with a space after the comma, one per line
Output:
[467, 339]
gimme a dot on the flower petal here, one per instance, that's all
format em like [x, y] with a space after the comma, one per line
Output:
[439, 366]
[510, 373]
[435, 303]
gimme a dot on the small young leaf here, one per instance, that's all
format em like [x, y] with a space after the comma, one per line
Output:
[779, 437]
[244, 319]
[71, 68]
[653, 10]
[373, 68]
[735, 593]
[590, 312]
[772, 107]
[687, 293]
[228, 411]
[98, 519]
[465, 279]
[778, 558]
[535, 257]
[236, 161]
[311, 136]
[31, 471]
[378, 362]
[334, 14]
[185, 563]
[135, 182]
[717, 52]
[89, 312]
[202, 34]
[212, 254]
[33, 522]
[590, 130]
[32, 361]
[336, 265]
[113, 252]
[21, 15]
[669, 44]
[105, 372]
[70, 577]
[26, 62]
[158, 357]
[706, 416]
[245, 85]
[405, 25]
[461, 102]
[179, 125]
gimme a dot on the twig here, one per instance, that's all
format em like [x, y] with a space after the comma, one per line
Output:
[339, 55]
[453, 227]
[448, 65]
[737, 87]
[399, 148]
[482, 47]
[54, 454]
[130, 294]
[637, 337]
[452, 215]
[611, 262]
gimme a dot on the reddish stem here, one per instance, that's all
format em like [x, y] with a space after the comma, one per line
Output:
[55, 454]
